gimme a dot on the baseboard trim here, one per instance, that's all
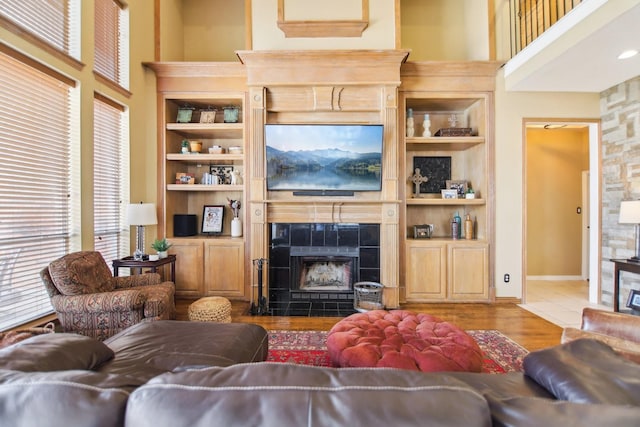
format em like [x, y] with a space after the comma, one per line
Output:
[551, 278]
[508, 300]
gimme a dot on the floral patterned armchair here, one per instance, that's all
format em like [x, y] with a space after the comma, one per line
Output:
[90, 301]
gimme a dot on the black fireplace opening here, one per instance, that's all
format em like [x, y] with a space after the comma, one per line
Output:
[313, 267]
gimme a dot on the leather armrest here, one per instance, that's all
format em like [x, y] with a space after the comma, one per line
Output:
[620, 325]
[627, 349]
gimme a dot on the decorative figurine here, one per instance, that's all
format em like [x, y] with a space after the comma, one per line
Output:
[410, 124]
[426, 124]
[418, 179]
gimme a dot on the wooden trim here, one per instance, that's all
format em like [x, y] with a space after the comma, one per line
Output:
[398, 24]
[248, 25]
[318, 28]
[492, 29]
[110, 83]
[40, 43]
[37, 65]
[109, 101]
[156, 30]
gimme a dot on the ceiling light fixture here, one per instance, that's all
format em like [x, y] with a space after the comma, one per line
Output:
[628, 54]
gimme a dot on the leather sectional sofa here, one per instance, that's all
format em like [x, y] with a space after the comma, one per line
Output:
[169, 373]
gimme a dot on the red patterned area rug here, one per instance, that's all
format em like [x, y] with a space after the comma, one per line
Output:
[501, 354]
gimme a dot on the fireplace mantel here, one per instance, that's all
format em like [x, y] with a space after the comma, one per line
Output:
[327, 86]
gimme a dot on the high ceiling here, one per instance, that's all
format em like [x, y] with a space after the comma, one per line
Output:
[580, 52]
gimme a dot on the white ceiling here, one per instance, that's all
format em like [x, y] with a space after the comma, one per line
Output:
[579, 53]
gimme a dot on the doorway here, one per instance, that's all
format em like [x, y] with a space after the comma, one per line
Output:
[561, 203]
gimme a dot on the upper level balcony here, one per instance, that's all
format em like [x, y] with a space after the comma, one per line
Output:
[572, 45]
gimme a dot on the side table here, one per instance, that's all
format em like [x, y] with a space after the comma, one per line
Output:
[129, 262]
[621, 265]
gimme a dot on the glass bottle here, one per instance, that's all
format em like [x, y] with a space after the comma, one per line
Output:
[458, 220]
[468, 228]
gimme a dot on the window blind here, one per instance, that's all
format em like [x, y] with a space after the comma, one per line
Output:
[56, 22]
[39, 185]
[111, 183]
[111, 34]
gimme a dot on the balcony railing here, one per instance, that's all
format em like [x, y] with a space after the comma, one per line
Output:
[530, 18]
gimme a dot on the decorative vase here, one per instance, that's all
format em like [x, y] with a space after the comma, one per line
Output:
[236, 227]
[410, 124]
[163, 254]
[426, 125]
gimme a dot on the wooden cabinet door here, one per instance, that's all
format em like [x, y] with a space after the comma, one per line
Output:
[468, 271]
[224, 268]
[426, 271]
[189, 271]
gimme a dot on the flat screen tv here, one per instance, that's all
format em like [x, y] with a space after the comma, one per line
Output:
[324, 158]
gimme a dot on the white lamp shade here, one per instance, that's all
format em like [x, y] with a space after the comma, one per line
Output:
[630, 212]
[141, 214]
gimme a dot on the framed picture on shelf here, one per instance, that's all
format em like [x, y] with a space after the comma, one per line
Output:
[437, 169]
[184, 115]
[634, 300]
[212, 217]
[223, 172]
[208, 116]
[449, 194]
[459, 186]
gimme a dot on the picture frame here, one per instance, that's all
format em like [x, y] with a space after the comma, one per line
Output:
[449, 194]
[422, 231]
[208, 116]
[223, 172]
[460, 186]
[212, 219]
[437, 169]
[633, 301]
[184, 115]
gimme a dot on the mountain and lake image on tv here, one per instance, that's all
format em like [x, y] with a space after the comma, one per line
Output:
[324, 157]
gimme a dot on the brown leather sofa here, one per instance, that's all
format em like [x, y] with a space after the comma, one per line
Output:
[621, 331]
[169, 373]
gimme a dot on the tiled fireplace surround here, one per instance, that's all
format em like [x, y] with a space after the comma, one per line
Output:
[357, 246]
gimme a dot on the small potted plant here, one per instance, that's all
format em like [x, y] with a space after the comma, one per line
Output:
[161, 246]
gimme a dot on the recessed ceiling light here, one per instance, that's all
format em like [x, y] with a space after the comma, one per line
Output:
[628, 54]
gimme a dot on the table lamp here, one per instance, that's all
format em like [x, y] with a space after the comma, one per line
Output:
[630, 214]
[141, 214]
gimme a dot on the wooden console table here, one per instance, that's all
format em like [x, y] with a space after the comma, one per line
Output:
[621, 265]
[129, 262]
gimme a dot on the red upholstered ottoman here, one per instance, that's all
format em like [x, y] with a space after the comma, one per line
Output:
[402, 339]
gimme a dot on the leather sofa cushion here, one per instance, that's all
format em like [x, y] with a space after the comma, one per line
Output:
[152, 348]
[585, 371]
[55, 352]
[536, 412]
[68, 398]
[627, 349]
[282, 395]
[81, 273]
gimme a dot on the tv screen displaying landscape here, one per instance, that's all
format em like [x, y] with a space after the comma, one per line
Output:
[324, 157]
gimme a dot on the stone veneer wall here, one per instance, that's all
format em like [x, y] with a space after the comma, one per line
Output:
[620, 112]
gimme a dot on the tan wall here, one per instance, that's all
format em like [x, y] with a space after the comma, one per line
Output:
[555, 161]
[511, 109]
[213, 31]
[455, 30]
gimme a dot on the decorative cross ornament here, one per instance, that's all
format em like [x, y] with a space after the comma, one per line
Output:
[418, 179]
[453, 120]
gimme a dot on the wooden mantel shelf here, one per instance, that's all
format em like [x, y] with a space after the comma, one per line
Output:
[317, 67]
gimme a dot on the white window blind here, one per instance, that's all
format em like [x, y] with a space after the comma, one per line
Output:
[111, 34]
[39, 203]
[111, 183]
[54, 22]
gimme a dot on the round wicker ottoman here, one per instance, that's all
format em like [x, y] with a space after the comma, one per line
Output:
[402, 339]
[210, 309]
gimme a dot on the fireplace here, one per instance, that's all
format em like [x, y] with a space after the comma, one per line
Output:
[312, 267]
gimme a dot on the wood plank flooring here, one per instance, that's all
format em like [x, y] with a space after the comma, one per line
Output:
[525, 328]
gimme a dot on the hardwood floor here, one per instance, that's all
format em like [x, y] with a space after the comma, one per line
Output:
[525, 328]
